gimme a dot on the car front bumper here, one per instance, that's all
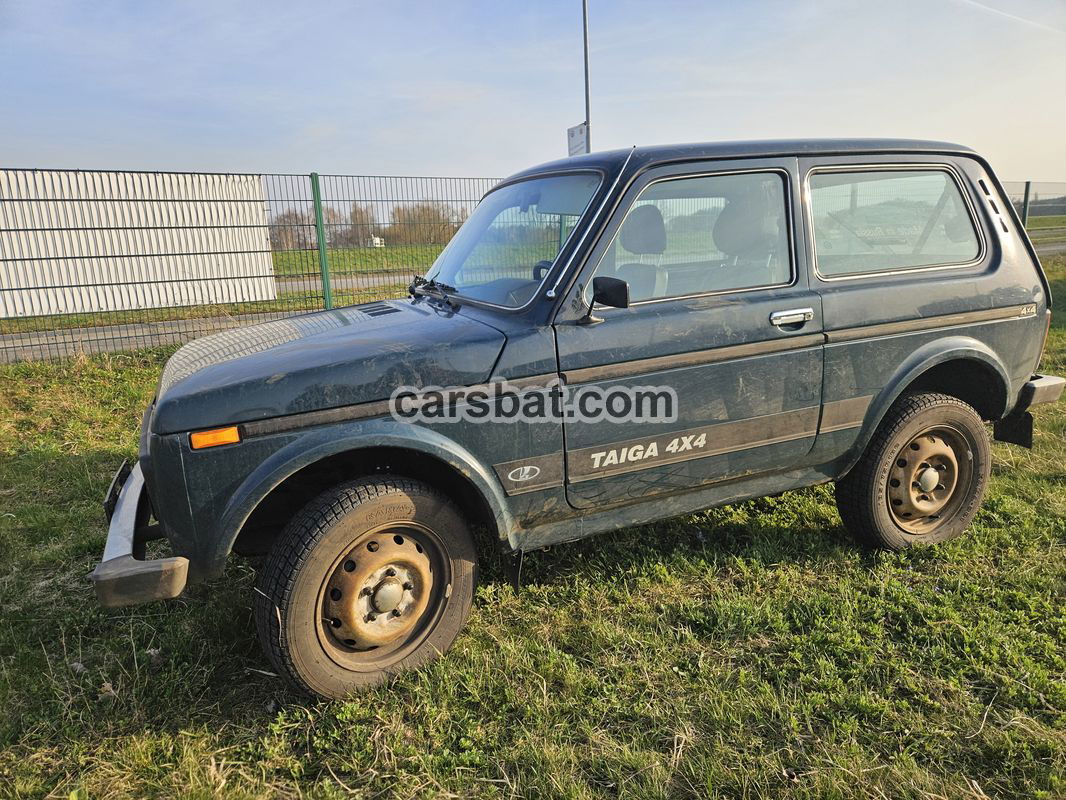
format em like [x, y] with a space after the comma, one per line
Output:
[122, 579]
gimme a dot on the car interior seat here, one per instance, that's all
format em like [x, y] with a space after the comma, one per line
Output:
[644, 234]
[750, 232]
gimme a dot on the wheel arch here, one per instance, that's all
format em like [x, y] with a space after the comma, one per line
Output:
[959, 366]
[307, 466]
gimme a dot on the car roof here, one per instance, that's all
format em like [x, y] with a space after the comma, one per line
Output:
[644, 156]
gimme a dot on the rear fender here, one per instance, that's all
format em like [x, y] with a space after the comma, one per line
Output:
[923, 359]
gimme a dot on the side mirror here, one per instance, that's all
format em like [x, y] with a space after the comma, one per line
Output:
[606, 291]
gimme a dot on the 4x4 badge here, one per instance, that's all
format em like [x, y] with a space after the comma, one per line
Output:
[526, 473]
[1029, 310]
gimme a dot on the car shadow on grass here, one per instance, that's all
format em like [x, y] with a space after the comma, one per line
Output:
[797, 527]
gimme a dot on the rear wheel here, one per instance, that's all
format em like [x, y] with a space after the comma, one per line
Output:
[922, 477]
[372, 577]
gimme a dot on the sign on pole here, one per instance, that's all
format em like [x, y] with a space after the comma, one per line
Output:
[576, 139]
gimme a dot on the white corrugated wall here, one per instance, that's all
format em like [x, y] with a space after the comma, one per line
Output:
[82, 241]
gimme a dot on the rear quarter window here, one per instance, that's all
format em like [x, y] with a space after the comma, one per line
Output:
[870, 221]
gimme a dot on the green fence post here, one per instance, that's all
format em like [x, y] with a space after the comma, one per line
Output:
[320, 233]
[1025, 204]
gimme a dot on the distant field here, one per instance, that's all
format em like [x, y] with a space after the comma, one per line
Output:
[350, 260]
[1047, 230]
[409, 258]
[1050, 221]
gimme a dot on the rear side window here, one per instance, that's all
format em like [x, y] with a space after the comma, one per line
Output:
[885, 220]
[700, 235]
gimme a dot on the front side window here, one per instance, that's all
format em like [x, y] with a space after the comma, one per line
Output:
[879, 221]
[503, 252]
[713, 233]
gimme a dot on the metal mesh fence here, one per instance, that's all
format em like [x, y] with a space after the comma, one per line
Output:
[95, 261]
[1042, 204]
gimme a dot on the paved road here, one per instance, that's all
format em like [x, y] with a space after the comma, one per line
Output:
[1052, 249]
[41, 345]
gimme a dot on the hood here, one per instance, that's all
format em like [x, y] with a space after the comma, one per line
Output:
[322, 360]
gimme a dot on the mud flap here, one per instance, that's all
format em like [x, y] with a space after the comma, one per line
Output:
[1015, 429]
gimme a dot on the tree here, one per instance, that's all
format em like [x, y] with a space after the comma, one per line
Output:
[295, 230]
[334, 225]
[423, 223]
[292, 230]
[363, 225]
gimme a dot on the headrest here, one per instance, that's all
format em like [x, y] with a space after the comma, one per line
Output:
[643, 231]
[745, 225]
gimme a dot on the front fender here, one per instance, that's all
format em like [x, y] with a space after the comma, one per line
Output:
[929, 355]
[319, 443]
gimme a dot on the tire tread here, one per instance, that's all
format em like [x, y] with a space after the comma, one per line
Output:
[854, 490]
[278, 576]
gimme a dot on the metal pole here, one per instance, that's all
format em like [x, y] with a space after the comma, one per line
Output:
[1025, 204]
[320, 233]
[588, 121]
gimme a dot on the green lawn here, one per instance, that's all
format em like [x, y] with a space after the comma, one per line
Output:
[1050, 221]
[413, 258]
[748, 651]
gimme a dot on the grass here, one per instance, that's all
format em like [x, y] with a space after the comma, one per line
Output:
[1049, 221]
[747, 651]
[406, 258]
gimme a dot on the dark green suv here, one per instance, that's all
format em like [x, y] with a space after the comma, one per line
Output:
[608, 340]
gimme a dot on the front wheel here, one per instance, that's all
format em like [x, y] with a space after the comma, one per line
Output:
[922, 477]
[372, 577]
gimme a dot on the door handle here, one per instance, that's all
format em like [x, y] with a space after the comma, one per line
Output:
[793, 316]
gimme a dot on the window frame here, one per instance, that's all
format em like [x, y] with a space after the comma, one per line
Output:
[922, 166]
[789, 231]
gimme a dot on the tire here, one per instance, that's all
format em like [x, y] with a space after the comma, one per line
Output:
[370, 578]
[888, 499]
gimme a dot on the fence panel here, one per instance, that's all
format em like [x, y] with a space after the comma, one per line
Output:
[94, 261]
[381, 231]
[1043, 205]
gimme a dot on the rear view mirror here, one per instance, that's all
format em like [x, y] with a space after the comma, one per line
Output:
[606, 291]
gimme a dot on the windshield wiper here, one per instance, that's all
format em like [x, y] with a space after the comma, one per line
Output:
[433, 288]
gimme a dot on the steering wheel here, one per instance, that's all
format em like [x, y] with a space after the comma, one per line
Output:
[540, 268]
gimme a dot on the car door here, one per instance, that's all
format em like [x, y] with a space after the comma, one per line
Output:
[721, 315]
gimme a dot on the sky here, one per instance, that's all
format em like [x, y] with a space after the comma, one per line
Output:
[487, 88]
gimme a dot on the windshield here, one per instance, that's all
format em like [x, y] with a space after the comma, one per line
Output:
[507, 246]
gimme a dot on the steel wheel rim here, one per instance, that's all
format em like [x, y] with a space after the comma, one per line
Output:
[382, 596]
[930, 477]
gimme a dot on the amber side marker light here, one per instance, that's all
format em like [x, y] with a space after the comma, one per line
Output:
[214, 437]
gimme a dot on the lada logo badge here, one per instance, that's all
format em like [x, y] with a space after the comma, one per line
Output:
[526, 473]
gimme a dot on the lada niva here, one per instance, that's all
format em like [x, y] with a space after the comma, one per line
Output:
[608, 340]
